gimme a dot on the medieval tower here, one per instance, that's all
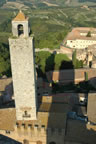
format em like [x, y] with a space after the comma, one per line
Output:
[23, 71]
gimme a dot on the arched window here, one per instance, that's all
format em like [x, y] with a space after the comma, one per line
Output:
[52, 143]
[20, 30]
[39, 142]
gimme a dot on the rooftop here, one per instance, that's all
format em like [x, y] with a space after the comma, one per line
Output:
[76, 33]
[47, 115]
[20, 17]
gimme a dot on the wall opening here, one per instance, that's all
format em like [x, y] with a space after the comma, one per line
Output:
[26, 115]
[20, 30]
[52, 143]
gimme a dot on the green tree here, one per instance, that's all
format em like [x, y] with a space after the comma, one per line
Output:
[86, 76]
[74, 60]
[89, 34]
[60, 36]
[5, 67]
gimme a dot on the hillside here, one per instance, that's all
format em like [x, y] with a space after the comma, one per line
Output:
[49, 21]
[18, 4]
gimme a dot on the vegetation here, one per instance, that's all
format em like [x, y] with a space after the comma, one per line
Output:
[4, 60]
[46, 61]
[76, 62]
[2, 2]
[82, 87]
[86, 76]
[89, 34]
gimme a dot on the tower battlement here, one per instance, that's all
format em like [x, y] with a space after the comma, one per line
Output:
[38, 129]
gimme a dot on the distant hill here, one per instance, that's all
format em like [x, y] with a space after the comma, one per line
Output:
[45, 3]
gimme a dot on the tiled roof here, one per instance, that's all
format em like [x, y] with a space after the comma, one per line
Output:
[71, 75]
[20, 17]
[55, 107]
[75, 34]
[7, 119]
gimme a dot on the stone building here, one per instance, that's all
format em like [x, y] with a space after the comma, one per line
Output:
[78, 38]
[27, 122]
[23, 70]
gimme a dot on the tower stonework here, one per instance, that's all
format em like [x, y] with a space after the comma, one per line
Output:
[23, 70]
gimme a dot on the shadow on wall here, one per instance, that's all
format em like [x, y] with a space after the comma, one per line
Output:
[57, 119]
[68, 123]
[7, 99]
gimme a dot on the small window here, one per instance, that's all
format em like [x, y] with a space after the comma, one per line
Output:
[7, 132]
[20, 30]
[36, 126]
[43, 126]
[52, 143]
[30, 125]
[26, 114]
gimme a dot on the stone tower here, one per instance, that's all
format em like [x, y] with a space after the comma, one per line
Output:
[23, 70]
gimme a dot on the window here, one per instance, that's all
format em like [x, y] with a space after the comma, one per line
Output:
[36, 125]
[20, 30]
[26, 115]
[7, 132]
[52, 143]
[43, 126]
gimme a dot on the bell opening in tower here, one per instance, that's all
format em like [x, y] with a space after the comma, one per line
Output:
[20, 30]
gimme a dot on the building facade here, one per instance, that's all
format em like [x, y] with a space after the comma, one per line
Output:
[78, 38]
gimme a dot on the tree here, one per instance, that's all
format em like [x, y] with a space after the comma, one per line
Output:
[86, 76]
[89, 34]
[74, 59]
[5, 67]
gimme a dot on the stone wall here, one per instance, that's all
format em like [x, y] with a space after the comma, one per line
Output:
[72, 75]
[23, 73]
[36, 134]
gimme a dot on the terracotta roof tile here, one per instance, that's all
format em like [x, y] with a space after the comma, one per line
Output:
[20, 17]
[75, 33]
[7, 119]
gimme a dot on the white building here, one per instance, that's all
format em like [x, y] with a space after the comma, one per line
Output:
[78, 38]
